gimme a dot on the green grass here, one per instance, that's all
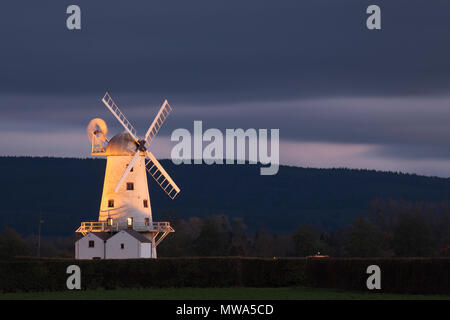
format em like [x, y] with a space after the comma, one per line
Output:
[217, 293]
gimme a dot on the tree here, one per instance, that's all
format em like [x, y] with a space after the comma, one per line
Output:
[214, 238]
[262, 244]
[445, 250]
[362, 239]
[179, 243]
[12, 244]
[412, 237]
[306, 242]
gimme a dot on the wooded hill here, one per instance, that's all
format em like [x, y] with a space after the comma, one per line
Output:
[68, 191]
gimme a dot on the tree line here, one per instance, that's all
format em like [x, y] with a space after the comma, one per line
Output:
[389, 228]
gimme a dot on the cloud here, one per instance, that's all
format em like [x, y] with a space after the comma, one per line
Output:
[226, 51]
[359, 156]
[341, 95]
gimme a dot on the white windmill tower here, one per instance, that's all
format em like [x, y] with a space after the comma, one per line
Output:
[125, 203]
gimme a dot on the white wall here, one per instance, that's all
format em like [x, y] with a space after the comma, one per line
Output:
[132, 246]
[82, 250]
[127, 203]
[146, 250]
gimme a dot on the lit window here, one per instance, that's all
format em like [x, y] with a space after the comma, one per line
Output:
[91, 243]
[145, 203]
[147, 221]
[122, 246]
[129, 222]
[130, 186]
[110, 203]
[109, 222]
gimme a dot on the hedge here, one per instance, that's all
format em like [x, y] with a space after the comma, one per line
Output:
[427, 275]
[50, 275]
[398, 275]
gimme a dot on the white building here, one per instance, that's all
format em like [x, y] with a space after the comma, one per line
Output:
[91, 246]
[125, 244]
[128, 244]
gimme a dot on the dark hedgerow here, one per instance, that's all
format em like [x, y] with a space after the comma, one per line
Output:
[406, 275]
[398, 275]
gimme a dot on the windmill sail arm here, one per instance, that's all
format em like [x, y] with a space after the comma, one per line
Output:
[163, 113]
[127, 171]
[111, 105]
[161, 176]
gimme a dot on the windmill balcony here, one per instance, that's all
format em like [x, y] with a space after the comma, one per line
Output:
[102, 226]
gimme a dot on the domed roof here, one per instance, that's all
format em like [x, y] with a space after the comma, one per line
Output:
[121, 144]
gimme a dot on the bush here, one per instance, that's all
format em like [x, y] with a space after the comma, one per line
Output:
[398, 275]
[50, 275]
[408, 275]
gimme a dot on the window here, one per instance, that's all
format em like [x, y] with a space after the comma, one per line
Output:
[130, 186]
[147, 221]
[122, 246]
[131, 168]
[145, 203]
[91, 243]
[110, 203]
[129, 222]
[109, 222]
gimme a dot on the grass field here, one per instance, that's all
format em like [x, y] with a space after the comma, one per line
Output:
[218, 293]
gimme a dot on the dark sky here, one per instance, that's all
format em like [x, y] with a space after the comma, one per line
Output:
[341, 95]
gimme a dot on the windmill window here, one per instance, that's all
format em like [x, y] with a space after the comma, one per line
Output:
[122, 246]
[109, 222]
[129, 222]
[91, 243]
[131, 168]
[130, 186]
[145, 203]
[110, 203]
[147, 221]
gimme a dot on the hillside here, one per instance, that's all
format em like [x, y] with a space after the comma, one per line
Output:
[68, 191]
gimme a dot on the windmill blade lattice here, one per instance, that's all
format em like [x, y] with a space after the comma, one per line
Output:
[110, 104]
[152, 165]
[163, 113]
[161, 176]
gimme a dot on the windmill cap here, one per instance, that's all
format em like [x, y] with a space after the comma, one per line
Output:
[121, 144]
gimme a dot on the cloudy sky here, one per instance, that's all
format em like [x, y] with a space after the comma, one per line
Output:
[341, 95]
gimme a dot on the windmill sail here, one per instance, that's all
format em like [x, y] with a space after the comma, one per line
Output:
[163, 113]
[161, 176]
[127, 170]
[110, 104]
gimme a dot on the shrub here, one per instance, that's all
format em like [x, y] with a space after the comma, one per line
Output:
[400, 275]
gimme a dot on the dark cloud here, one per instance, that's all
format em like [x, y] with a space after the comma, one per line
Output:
[310, 68]
[408, 152]
[222, 50]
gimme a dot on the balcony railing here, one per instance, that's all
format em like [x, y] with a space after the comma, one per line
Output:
[102, 226]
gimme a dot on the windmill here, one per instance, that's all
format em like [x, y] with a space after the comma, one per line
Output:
[125, 203]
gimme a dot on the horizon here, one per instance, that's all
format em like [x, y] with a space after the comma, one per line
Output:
[257, 164]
